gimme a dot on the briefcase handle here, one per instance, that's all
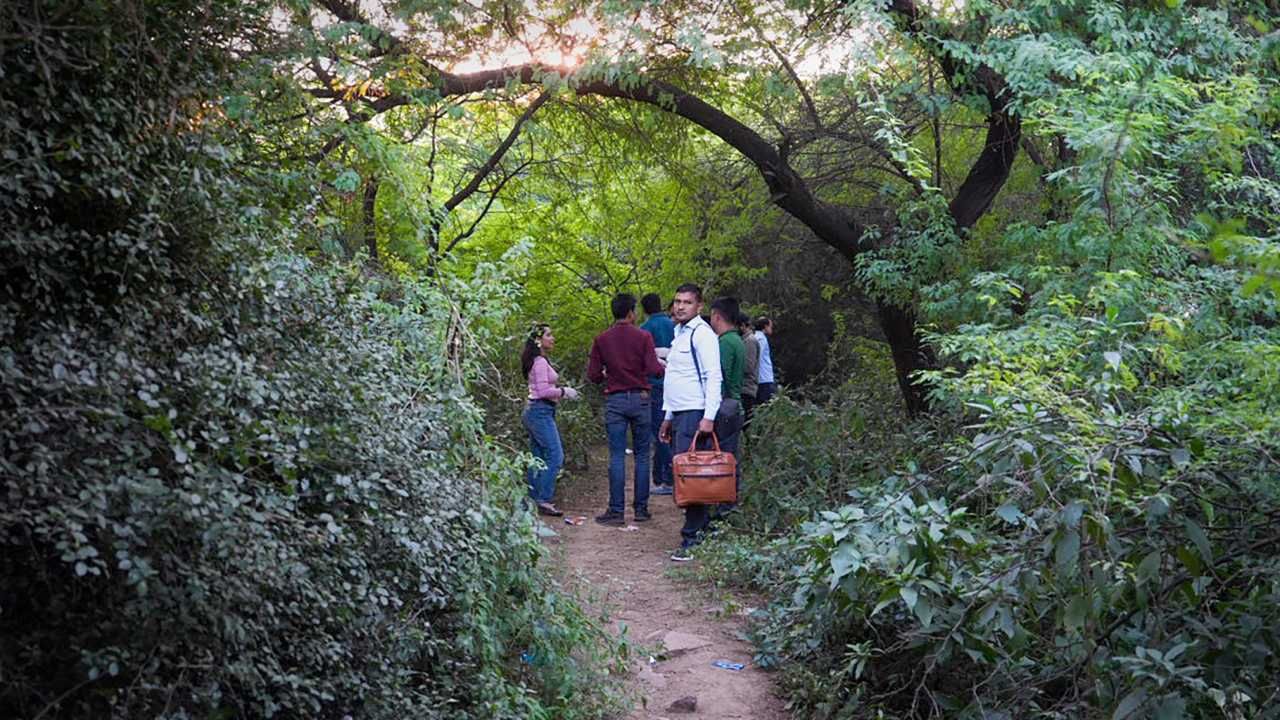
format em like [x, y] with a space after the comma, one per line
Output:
[715, 441]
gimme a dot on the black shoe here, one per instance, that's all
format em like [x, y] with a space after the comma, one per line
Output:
[549, 509]
[642, 515]
[682, 555]
[612, 518]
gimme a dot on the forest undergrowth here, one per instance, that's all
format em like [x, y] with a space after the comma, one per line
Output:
[1078, 531]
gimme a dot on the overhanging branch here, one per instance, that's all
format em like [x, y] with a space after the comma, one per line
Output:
[471, 187]
[991, 169]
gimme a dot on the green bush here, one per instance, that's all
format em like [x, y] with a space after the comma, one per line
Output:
[1091, 543]
[238, 482]
[281, 509]
[808, 450]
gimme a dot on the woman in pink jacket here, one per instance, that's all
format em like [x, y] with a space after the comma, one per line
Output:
[540, 416]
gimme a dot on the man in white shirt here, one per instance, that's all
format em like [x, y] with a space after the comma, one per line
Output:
[691, 396]
[764, 391]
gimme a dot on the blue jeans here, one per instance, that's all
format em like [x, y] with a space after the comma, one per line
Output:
[661, 450]
[684, 425]
[748, 407]
[624, 410]
[765, 393]
[544, 441]
[729, 424]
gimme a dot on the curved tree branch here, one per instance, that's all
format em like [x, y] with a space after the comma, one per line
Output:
[488, 205]
[788, 190]
[991, 169]
[479, 177]
[489, 165]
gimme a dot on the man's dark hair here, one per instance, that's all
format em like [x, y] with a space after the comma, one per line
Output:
[651, 303]
[622, 304]
[728, 308]
[761, 323]
[690, 288]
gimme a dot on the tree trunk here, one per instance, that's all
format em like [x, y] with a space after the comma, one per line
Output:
[909, 354]
[370, 218]
[991, 169]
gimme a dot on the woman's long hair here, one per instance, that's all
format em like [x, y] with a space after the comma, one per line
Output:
[532, 347]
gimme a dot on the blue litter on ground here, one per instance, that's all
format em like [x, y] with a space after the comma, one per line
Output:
[726, 665]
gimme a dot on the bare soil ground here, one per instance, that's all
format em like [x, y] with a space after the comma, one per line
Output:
[631, 571]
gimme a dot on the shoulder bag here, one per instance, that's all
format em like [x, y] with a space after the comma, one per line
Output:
[704, 477]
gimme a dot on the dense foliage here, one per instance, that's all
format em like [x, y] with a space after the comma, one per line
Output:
[1081, 530]
[239, 482]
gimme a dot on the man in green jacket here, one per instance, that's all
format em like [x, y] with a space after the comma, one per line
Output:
[733, 354]
[725, 312]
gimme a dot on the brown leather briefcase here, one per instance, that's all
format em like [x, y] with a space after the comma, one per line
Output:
[705, 477]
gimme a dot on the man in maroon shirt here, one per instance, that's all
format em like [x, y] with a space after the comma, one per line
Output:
[623, 357]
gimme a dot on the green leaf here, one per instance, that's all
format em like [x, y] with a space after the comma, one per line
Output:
[843, 561]
[1004, 621]
[1206, 507]
[1076, 612]
[909, 596]
[924, 611]
[1072, 512]
[1129, 704]
[1149, 566]
[887, 598]
[1190, 560]
[1196, 533]
[1009, 513]
[1067, 551]
[1134, 463]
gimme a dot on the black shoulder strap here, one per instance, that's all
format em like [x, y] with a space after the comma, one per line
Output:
[697, 367]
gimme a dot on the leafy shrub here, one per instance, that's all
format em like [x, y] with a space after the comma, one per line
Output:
[237, 482]
[809, 453]
[1090, 543]
[285, 513]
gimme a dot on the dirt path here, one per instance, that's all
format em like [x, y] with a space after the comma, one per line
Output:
[631, 570]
